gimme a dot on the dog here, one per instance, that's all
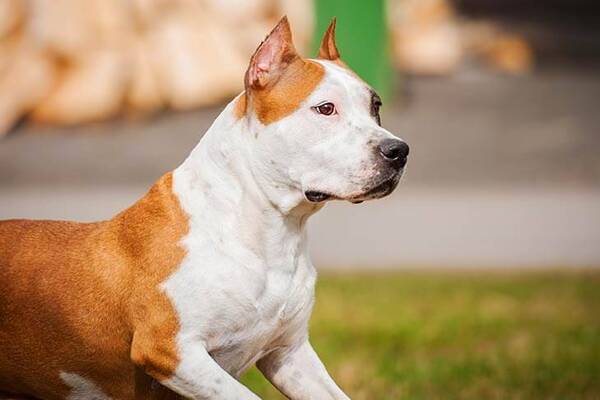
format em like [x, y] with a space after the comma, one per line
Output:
[209, 273]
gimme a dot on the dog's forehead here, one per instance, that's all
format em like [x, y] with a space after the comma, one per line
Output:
[297, 83]
[338, 70]
[338, 75]
[304, 81]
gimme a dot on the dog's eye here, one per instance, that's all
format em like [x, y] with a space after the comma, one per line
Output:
[325, 108]
[375, 107]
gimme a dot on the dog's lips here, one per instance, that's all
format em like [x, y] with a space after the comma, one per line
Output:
[378, 191]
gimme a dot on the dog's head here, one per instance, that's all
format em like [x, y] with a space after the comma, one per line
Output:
[317, 124]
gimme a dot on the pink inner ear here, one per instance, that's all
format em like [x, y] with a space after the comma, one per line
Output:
[266, 56]
[263, 66]
[266, 63]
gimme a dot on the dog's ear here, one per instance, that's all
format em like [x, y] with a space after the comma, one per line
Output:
[328, 49]
[271, 58]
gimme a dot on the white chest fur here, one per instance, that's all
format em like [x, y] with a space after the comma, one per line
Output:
[246, 284]
[238, 310]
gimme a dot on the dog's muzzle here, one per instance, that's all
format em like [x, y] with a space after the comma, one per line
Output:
[391, 157]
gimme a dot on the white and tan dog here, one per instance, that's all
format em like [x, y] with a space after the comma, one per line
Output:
[209, 273]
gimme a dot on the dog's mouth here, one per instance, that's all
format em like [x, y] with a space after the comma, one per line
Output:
[377, 191]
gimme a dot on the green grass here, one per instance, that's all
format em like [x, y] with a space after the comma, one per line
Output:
[458, 335]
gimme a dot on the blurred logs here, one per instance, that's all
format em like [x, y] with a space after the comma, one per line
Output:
[26, 77]
[425, 36]
[90, 88]
[428, 38]
[11, 16]
[76, 61]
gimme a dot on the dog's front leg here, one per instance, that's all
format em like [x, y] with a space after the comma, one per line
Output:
[299, 374]
[192, 374]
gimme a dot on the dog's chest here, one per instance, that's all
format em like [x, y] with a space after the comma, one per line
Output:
[240, 311]
[277, 316]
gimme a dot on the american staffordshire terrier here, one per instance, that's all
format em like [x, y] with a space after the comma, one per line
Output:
[209, 273]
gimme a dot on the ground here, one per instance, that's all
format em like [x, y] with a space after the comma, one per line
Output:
[458, 335]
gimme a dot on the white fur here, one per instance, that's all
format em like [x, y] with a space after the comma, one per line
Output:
[82, 388]
[245, 289]
[308, 151]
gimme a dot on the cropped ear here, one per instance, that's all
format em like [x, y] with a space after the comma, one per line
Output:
[328, 50]
[271, 58]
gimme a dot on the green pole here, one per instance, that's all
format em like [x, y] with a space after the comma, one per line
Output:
[362, 38]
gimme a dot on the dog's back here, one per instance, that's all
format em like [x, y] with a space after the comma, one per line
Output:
[45, 303]
[72, 295]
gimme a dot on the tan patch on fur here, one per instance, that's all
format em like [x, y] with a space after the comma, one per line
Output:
[328, 49]
[8, 396]
[84, 299]
[297, 82]
[240, 106]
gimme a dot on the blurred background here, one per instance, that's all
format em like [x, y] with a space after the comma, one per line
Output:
[478, 278]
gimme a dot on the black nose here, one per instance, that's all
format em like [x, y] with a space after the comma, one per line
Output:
[394, 150]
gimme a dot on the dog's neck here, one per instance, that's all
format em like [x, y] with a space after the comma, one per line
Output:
[218, 180]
